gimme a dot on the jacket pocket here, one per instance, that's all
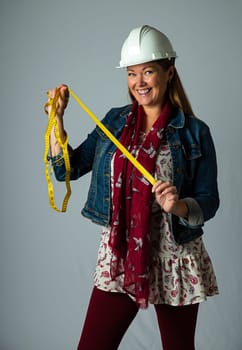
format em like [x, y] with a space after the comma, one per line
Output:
[192, 155]
[192, 151]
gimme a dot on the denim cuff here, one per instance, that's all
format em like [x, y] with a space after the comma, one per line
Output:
[195, 214]
[57, 160]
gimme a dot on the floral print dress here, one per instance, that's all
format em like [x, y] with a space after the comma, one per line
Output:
[180, 274]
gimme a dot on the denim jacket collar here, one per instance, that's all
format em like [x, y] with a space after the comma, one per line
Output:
[178, 121]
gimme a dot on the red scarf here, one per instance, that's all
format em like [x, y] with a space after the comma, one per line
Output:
[132, 198]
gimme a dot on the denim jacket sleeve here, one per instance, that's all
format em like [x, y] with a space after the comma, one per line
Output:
[195, 175]
[201, 171]
[81, 159]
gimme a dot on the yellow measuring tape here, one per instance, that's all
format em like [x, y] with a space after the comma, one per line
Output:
[52, 123]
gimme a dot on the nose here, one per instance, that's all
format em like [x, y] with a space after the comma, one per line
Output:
[141, 80]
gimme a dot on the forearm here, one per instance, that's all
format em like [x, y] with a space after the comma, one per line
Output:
[180, 209]
[60, 107]
[55, 148]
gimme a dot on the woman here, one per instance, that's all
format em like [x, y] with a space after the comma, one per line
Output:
[151, 248]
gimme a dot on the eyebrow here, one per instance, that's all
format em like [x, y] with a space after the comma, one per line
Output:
[150, 66]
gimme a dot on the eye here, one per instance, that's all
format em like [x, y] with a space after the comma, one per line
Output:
[131, 74]
[149, 72]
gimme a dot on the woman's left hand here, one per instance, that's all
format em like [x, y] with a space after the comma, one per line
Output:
[166, 195]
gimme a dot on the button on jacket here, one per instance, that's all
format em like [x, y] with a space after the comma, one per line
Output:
[194, 168]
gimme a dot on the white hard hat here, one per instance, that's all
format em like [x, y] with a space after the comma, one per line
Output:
[145, 44]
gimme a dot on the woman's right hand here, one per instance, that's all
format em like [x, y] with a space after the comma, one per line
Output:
[61, 105]
[62, 100]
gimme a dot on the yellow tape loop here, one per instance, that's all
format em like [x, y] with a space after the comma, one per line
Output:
[52, 123]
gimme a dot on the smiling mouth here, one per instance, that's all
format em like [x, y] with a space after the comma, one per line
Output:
[143, 92]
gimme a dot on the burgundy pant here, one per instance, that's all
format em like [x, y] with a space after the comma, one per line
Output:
[110, 314]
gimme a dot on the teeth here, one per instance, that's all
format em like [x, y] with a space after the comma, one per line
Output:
[144, 91]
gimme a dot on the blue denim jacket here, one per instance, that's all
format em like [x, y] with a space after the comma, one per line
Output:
[194, 168]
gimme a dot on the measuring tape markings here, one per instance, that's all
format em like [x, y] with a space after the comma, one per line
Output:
[53, 124]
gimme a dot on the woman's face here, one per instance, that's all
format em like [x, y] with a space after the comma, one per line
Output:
[147, 83]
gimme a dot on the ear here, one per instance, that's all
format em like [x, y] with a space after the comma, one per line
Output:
[170, 72]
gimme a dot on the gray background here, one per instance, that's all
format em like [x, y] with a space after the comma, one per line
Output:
[47, 259]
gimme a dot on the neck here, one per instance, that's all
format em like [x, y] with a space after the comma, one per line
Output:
[151, 114]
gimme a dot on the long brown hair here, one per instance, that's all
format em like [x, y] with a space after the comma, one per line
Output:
[175, 89]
